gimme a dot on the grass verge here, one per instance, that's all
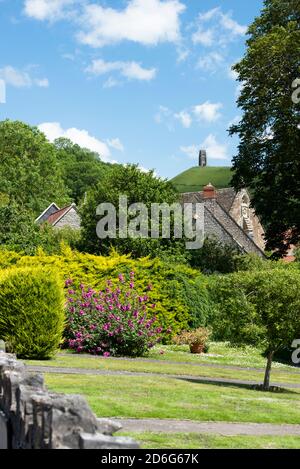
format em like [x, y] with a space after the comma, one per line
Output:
[148, 396]
[201, 441]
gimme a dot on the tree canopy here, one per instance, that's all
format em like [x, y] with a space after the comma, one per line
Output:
[268, 160]
[81, 168]
[30, 175]
[138, 186]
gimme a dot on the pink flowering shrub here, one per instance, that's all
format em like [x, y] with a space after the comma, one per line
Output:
[116, 321]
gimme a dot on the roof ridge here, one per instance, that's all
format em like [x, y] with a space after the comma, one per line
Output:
[242, 231]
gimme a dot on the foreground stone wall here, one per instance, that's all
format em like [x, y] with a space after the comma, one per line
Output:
[31, 417]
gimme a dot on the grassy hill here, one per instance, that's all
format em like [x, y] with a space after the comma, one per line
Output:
[194, 179]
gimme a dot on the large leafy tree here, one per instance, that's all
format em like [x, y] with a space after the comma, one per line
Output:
[268, 160]
[81, 168]
[138, 186]
[259, 308]
[30, 175]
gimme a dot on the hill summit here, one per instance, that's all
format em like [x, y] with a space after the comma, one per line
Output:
[194, 179]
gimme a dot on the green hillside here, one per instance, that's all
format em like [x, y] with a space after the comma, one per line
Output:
[194, 179]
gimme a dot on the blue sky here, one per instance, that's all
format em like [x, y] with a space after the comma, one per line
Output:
[140, 81]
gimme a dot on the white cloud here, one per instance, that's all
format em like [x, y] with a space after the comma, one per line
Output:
[215, 30]
[210, 14]
[147, 22]
[111, 83]
[130, 70]
[49, 10]
[232, 74]
[223, 28]
[81, 137]
[210, 62]
[115, 143]
[232, 26]
[215, 150]
[234, 121]
[208, 112]
[185, 119]
[205, 38]
[43, 83]
[192, 151]
[21, 78]
[165, 116]
[182, 54]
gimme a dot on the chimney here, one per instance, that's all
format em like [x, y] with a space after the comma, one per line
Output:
[209, 192]
[202, 158]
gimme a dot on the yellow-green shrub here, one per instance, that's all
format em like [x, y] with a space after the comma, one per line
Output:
[31, 311]
[178, 291]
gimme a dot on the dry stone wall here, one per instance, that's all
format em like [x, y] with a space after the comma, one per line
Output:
[31, 417]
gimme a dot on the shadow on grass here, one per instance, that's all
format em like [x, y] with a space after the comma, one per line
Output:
[249, 386]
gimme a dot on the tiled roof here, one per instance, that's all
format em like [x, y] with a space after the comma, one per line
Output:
[225, 197]
[57, 215]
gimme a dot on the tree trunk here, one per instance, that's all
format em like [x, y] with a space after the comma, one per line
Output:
[266, 385]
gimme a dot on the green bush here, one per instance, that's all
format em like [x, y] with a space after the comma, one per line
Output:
[179, 292]
[31, 311]
[258, 308]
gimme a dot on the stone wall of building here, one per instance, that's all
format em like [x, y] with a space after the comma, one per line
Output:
[31, 417]
[71, 219]
[236, 213]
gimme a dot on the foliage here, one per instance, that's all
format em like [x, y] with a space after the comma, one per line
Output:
[115, 321]
[198, 336]
[139, 187]
[257, 308]
[20, 233]
[29, 170]
[81, 168]
[268, 159]
[31, 311]
[179, 292]
[214, 257]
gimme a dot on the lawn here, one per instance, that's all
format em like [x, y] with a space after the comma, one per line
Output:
[153, 397]
[177, 397]
[200, 441]
[176, 360]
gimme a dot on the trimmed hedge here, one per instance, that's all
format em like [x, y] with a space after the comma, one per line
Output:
[179, 292]
[32, 315]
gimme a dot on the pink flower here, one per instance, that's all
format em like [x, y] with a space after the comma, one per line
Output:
[106, 354]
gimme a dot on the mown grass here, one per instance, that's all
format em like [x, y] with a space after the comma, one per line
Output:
[183, 364]
[150, 397]
[204, 441]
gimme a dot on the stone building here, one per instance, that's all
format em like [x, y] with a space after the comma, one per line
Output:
[60, 217]
[227, 214]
